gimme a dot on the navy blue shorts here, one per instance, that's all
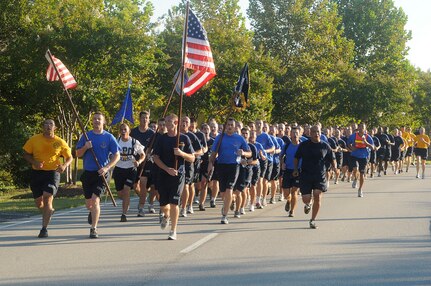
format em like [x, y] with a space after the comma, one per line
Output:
[227, 176]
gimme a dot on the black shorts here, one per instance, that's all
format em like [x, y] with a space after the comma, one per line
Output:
[124, 177]
[240, 183]
[190, 171]
[396, 155]
[169, 188]
[214, 176]
[409, 152]
[421, 152]
[346, 159]
[308, 183]
[275, 174]
[227, 176]
[255, 175]
[203, 172]
[388, 155]
[197, 170]
[339, 160]
[44, 181]
[263, 165]
[268, 173]
[289, 180]
[373, 157]
[360, 163]
[92, 183]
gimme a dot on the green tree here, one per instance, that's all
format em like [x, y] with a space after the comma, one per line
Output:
[305, 35]
[386, 78]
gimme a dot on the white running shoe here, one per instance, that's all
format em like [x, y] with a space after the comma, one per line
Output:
[354, 184]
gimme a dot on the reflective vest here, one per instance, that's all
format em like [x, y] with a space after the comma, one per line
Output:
[359, 141]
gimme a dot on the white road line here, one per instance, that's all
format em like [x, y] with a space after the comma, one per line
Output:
[199, 243]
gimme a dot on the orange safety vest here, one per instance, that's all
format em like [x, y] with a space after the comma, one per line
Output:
[359, 142]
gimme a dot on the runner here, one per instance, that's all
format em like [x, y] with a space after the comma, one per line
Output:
[255, 177]
[290, 183]
[397, 149]
[360, 143]
[314, 154]
[409, 137]
[198, 162]
[388, 154]
[43, 151]
[204, 168]
[125, 171]
[188, 194]
[265, 165]
[373, 155]
[231, 148]
[422, 142]
[170, 180]
[276, 164]
[107, 151]
[144, 135]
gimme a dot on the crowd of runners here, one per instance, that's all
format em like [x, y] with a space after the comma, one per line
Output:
[246, 166]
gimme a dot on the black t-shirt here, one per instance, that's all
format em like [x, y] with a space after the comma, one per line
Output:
[194, 140]
[165, 149]
[202, 139]
[376, 141]
[398, 142]
[206, 156]
[143, 137]
[286, 139]
[254, 154]
[314, 156]
[383, 138]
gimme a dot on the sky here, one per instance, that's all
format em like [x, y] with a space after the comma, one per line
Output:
[419, 23]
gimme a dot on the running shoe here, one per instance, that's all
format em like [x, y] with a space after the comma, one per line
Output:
[93, 233]
[224, 220]
[379, 175]
[172, 235]
[312, 224]
[335, 182]
[196, 201]
[307, 208]
[287, 206]
[354, 184]
[272, 201]
[242, 211]
[190, 210]
[141, 212]
[423, 176]
[212, 203]
[201, 207]
[164, 223]
[264, 203]
[259, 206]
[237, 214]
[151, 209]
[251, 208]
[123, 218]
[281, 198]
[183, 213]
[417, 176]
[360, 194]
[43, 233]
[90, 219]
[343, 178]
[291, 214]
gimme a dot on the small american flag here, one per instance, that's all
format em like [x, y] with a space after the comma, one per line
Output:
[198, 56]
[66, 77]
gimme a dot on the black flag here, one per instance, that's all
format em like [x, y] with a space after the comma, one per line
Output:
[242, 87]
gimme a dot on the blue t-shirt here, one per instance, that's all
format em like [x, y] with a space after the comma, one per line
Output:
[267, 143]
[289, 155]
[230, 144]
[360, 152]
[259, 148]
[104, 144]
[279, 144]
[323, 138]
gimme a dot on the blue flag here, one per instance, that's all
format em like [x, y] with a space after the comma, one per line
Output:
[126, 110]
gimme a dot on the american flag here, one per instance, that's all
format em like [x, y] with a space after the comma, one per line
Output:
[66, 77]
[198, 56]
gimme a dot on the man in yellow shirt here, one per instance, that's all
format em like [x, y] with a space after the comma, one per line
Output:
[409, 139]
[422, 142]
[43, 152]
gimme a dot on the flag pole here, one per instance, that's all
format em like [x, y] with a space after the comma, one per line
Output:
[183, 59]
[81, 125]
[153, 138]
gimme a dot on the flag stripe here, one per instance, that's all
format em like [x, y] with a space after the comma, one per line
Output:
[66, 77]
[198, 56]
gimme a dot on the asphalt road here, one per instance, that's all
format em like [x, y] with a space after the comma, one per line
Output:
[381, 239]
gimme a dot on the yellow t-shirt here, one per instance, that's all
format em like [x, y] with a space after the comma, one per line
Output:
[47, 150]
[409, 138]
[420, 143]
